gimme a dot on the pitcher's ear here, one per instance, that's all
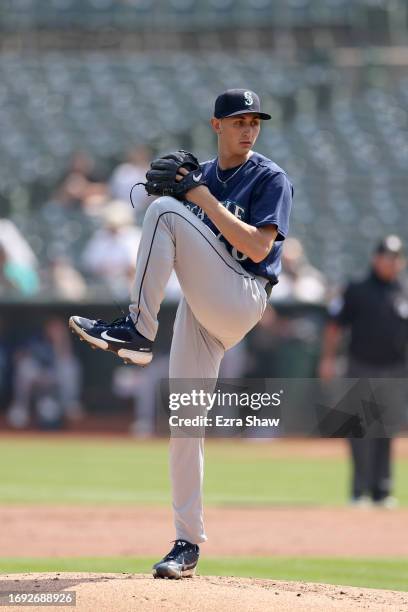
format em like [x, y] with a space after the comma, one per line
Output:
[216, 125]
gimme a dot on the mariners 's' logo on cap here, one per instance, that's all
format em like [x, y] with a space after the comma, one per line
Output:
[248, 99]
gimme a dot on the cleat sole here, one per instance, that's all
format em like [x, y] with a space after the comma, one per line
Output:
[170, 573]
[135, 357]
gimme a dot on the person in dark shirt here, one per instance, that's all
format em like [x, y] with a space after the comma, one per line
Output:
[375, 310]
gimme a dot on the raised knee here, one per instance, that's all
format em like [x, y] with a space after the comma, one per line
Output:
[164, 204]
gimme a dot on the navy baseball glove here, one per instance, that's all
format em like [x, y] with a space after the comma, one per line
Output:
[161, 178]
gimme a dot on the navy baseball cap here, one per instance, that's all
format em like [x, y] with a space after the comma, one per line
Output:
[390, 245]
[238, 102]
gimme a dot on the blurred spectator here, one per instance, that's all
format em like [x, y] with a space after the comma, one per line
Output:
[80, 187]
[47, 377]
[143, 386]
[63, 232]
[16, 246]
[17, 262]
[66, 282]
[110, 255]
[376, 311]
[127, 174]
[6, 283]
[264, 343]
[4, 362]
[285, 343]
[299, 281]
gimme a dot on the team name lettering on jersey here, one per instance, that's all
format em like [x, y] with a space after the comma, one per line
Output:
[239, 212]
[235, 209]
[196, 210]
[259, 194]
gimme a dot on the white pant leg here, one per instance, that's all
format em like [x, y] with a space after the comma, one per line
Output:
[225, 299]
[222, 302]
[187, 454]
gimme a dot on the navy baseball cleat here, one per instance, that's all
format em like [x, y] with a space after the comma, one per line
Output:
[180, 562]
[120, 337]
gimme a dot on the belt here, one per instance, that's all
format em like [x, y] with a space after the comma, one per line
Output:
[267, 285]
[268, 288]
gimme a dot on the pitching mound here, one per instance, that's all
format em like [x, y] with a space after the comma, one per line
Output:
[129, 592]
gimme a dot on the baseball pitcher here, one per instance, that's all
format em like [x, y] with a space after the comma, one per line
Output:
[220, 225]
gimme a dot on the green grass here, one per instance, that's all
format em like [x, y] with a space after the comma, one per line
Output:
[370, 573]
[61, 470]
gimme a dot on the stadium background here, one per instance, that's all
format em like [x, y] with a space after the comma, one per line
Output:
[102, 77]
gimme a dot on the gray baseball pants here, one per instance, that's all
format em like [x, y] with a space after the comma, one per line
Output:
[221, 303]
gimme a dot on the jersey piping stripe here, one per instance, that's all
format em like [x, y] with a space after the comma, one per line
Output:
[205, 238]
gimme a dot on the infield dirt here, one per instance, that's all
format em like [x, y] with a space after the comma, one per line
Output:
[77, 531]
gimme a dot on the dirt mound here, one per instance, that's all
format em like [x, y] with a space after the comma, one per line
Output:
[128, 592]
